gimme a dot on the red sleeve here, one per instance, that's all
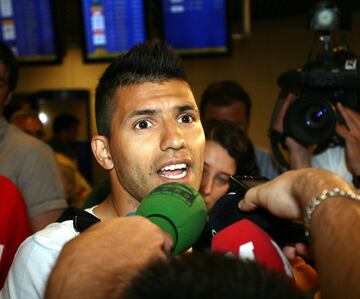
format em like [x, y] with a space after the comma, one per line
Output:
[14, 224]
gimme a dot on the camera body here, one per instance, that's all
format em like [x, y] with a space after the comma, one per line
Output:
[312, 118]
[333, 77]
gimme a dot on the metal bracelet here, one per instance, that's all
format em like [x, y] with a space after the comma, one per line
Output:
[324, 195]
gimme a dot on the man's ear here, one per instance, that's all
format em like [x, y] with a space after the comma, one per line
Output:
[101, 151]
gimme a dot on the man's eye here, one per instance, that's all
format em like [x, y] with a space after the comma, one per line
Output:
[186, 118]
[143, 124]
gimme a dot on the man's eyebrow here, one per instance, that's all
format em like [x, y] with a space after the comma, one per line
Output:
[142, 112]
[154, 111]
[186, 108]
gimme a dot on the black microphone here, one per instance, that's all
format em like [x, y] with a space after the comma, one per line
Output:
[226, 212]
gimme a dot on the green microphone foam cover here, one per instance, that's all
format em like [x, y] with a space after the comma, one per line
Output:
[179, 210]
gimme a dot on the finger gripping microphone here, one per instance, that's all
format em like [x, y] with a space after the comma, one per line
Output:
[179, 210]
[245, 240]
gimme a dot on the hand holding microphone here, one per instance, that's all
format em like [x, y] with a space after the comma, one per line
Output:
[176, 208]
[118, 248]
[179, 210]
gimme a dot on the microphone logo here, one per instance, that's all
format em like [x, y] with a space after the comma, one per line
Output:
[182, 191]
[246, 251]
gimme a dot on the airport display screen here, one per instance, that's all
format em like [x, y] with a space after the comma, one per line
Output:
[112, 27]
[28, 27]
[196, 26]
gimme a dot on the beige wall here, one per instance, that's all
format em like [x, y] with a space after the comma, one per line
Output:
[273, 47]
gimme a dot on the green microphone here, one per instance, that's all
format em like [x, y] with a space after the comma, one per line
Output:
[179, 210]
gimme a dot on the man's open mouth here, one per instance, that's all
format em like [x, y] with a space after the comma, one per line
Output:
[174, 171]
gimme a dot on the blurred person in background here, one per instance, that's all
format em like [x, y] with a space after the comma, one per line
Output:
[65, 132]
[28, 162]
[228, 152]
[29, 122]
[228, 100]
[341, 159]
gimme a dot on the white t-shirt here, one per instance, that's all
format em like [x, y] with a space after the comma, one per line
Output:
[35, 259]
[265, 163]
[333, 159]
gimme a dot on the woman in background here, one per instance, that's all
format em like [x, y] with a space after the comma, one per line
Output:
[228, 152]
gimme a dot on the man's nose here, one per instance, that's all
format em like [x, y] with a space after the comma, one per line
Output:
[172, 136]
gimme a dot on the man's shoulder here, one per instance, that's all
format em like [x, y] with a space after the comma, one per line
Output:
[35, 259]
[45, 245]
[25, 142]
[25, 156]
[55, 235]
[19, 149]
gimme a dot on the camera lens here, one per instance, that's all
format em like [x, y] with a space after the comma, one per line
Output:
[316, 117]
[310, 120]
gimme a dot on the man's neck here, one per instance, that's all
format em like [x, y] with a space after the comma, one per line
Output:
[112, 207]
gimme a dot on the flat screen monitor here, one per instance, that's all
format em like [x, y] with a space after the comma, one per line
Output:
[196, 27]
[28, 27]
[112, 27]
